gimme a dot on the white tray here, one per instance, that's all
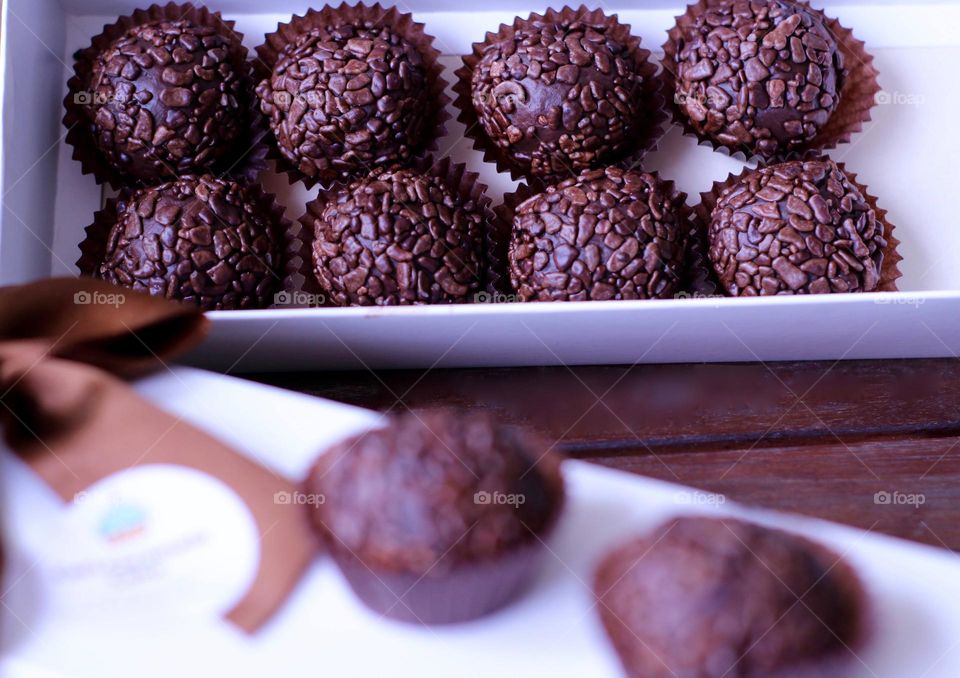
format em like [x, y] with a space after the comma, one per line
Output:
[904, 156]
[53, 625]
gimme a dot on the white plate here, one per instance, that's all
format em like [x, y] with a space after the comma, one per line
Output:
[553, 631]
[904, 156]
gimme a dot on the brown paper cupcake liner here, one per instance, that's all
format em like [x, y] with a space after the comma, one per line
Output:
[93, 248]
[299, 280]
[499, 263]
[651, 92]
[857, 95]
[463, 593]
[699, 279]
[287, 33]
[455, 175]
[246, 163]
[696, 274]
[497, 242]
[460, 592]
[889, 270]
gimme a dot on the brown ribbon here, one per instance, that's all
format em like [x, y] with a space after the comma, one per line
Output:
[63, 343]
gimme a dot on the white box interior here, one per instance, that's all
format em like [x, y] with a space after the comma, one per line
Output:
[905, 155]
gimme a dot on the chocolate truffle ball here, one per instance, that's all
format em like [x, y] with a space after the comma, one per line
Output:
[436, 517]
[715, 597]
[796, 228]
[761, 77]
[398, 236]
[609, 234]
[202, 240]
[346, 99]
[167, 98]
[558, 98]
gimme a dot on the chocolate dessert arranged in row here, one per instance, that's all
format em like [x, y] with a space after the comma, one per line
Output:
[349, 90]
[608, 234]
[436, 518]
[398, 237]
[352, 98]
[558, 94]
[216, 243]
[763, 78]
[162, 93]
[711, 597]
[797, 228]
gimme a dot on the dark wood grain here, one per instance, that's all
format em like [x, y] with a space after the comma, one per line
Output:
[816, 438]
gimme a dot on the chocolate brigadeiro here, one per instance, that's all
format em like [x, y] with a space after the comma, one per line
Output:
[716, 597]
[799, 227]
[437, 518]
[350, 89]
[767, 78]
[608, 234]
[560, 93]
[211, 242]
[400, 236]
[161, 93]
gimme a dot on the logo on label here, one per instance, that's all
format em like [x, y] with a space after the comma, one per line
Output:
[154, 539]
[122, 523]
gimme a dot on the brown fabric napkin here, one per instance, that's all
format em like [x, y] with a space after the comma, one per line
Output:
[63, 343]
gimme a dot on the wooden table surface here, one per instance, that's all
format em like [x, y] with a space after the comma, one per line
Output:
[821, 439]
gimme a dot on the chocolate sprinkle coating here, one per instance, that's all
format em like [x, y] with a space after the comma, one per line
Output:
[609, 234]
[398, 236]
[348, 98]
[559, 98]
[207, 241]
[796, 228]
[410, 496]
[712, 597]
[760, 76]
[167, 98]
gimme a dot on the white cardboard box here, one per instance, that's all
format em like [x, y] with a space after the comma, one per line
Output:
[904, 156]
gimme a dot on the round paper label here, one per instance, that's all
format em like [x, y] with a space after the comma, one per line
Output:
[155, 540]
